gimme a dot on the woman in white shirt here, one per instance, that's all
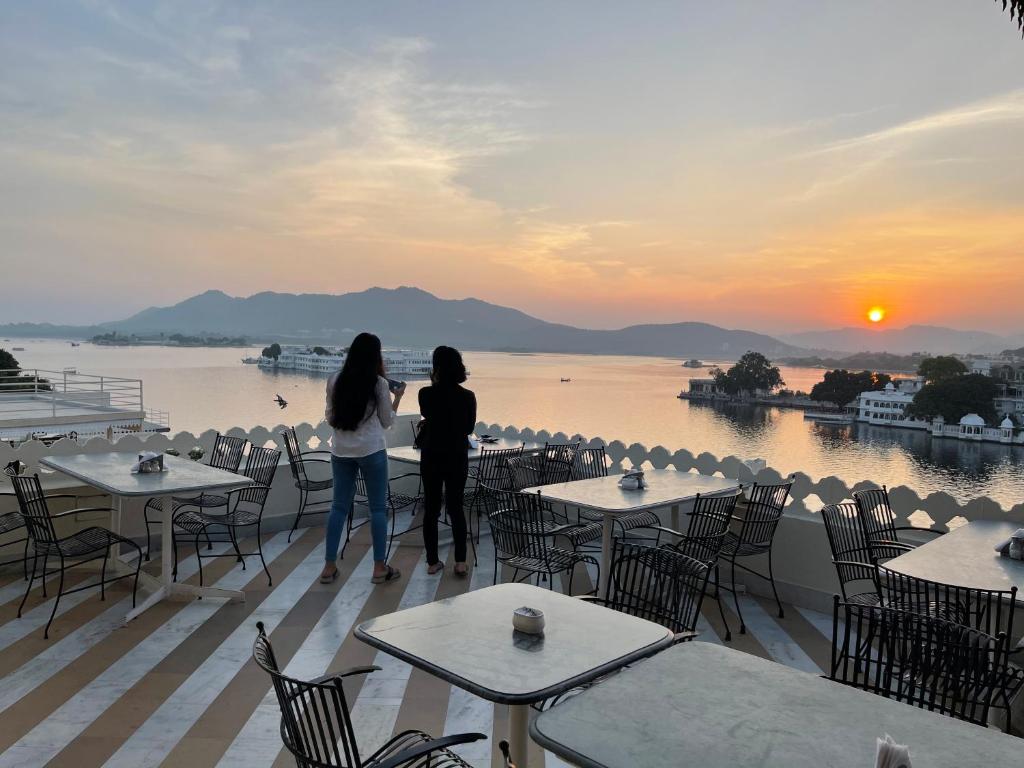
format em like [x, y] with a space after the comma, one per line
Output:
[360, 407]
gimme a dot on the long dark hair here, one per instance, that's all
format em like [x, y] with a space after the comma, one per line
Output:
[356, 385]
[448, 366]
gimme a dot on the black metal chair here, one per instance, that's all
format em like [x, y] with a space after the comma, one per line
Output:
[659, 584]
[489, 476]
[918, 659]
[227, 454]
[758, 520]
[93, 543]
[989, 611]
[851, 554]
[316, 724]
[397, 502]
[298, 460]
[524, 539]
[527, 472]
[244, 509]
[557, 461]
[879, 522]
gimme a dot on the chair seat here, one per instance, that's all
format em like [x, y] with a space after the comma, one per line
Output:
[628, 522]
[863, 598]
[541, 559]
[734, 547]
[203, 500]
[89, 541]
[313, 485]
[403, 500]
[195, 522]
[442, 758]
[11, 521]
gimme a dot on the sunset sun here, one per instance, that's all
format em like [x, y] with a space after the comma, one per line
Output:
[876, 314]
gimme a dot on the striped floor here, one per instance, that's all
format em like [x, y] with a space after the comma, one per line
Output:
[177, 686]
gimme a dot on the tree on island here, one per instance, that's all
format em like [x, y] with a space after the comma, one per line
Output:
[274, 351]
[841, 387]
[751, 373]
[1016, 12]
[9, 365]
[955, 397]
[321, 351]
[941, 368]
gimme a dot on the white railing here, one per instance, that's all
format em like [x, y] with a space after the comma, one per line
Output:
[939, 509]
[52, 394]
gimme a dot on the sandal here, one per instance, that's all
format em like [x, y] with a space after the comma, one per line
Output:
[433, 568]
[329, 579]
[391, 575]
[463, 573]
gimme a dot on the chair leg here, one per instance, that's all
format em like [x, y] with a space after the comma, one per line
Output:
[259, 550]
[234, 543]
[721, 608]
[771, 578]
[145, 517]
[24, 560]
[135, 585]
[56, 601]
[31, 580]
[298, 515]
[495, 581]
[199, 559]
[736, 597]
[103, 575]
[46, 561]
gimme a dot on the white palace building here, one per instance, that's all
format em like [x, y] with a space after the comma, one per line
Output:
[407, 362]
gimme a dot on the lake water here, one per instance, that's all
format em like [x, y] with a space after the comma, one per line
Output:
[632, 399]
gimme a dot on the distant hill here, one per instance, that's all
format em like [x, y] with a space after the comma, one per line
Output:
[900, 341]
[415, 318]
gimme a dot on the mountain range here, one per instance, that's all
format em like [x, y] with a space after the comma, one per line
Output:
[415, 318]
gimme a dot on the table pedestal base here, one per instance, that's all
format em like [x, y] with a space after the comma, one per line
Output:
[180, 592]
[518, 733]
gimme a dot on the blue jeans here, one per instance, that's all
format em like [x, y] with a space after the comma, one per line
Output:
[375, 472]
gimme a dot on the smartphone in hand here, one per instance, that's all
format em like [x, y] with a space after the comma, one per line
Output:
[394, 385]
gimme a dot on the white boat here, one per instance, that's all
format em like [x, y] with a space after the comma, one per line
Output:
[693, 363]
[829, 418]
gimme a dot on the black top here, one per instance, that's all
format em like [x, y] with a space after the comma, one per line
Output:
[450, 413]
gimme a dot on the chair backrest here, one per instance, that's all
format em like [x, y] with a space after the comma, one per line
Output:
[657, 584]
[517, 525]
[589, 462]
[709, 523]
[557, 461]
[922, 660]
[987, 610]
[524, 472]
[492, 468]
[316, 725]
[851, 554]
[764, 508]
[34, 509]
[876, 516]
[260, 467]
[291, 445]
[227, 452]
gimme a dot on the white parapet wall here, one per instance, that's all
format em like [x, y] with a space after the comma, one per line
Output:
[802, 561]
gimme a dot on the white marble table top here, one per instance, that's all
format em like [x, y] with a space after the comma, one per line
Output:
[715, 707]
[664, 487]
[111, 472]
[468, 640]
[410, 455]
[966, 557]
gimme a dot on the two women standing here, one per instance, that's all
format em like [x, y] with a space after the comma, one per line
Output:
[361, 405]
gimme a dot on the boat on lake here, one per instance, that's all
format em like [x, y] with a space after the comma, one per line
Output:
[693, 363]
[826, 417]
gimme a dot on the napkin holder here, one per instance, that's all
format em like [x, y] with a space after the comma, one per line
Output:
[633, 480]
[529, 621]
[1012, 547]
[149, 463]
[889, 754]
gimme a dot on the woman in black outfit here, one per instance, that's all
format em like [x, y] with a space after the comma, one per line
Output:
[449, 412]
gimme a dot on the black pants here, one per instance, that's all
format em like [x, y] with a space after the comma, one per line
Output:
[444, 483]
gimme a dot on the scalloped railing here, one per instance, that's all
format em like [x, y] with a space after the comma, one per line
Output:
[939, 510]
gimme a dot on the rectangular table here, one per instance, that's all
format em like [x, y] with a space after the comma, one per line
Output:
[111, 473]
[965, 557]
[468, 641]
[408, 454]
[705, 705]
[665, 488]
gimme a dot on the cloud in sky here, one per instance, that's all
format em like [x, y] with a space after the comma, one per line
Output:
[597, 166]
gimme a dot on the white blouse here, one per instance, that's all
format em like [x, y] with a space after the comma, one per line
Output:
[369, 436]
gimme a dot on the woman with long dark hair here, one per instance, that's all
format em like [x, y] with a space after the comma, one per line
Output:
[360, 407]
[449, 412]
